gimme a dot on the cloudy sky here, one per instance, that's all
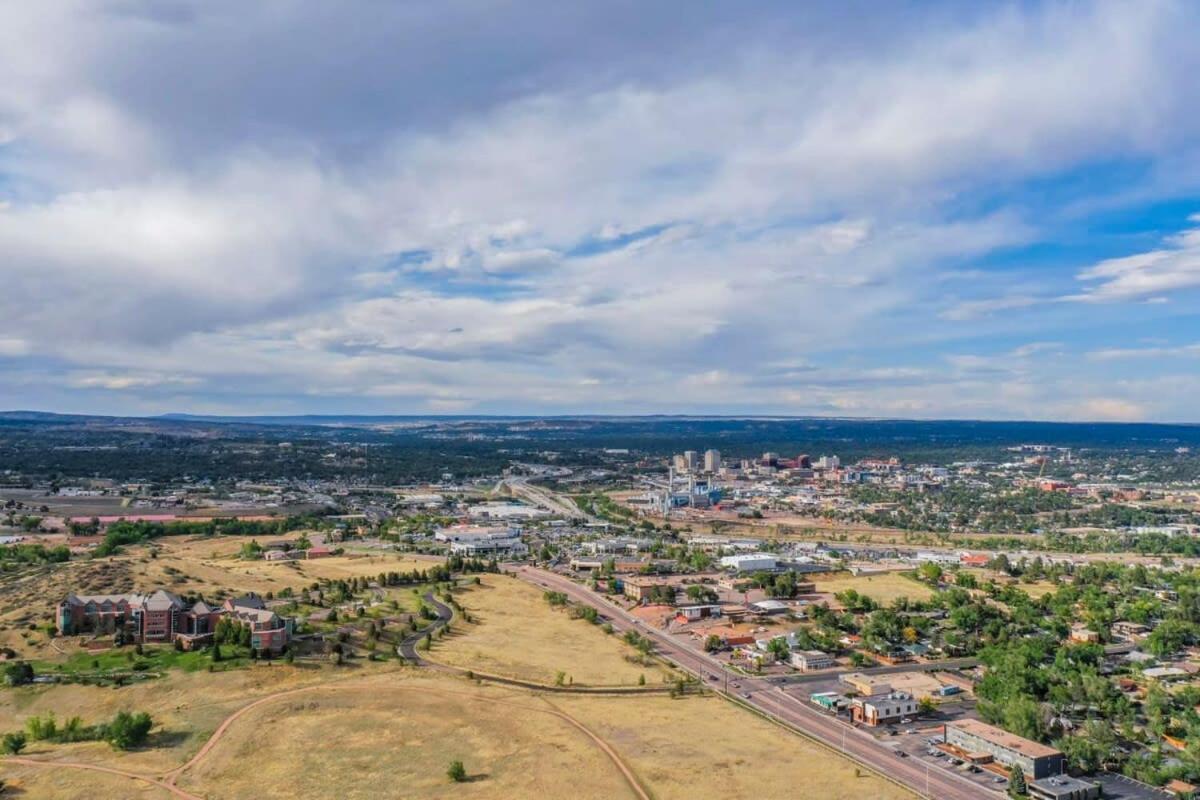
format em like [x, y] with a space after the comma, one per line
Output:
[618, 207]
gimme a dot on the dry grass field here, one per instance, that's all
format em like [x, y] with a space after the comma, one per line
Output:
[1034, 589]
[343, 733]
[393, 734]
[883, 587]
[396, 739]
[703, 748]
[515, 633]
[28, 783]
[186, 707]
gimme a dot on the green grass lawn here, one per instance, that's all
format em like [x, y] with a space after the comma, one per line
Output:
[154, 658]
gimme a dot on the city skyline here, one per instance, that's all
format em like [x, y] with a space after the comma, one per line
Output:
[904, 211]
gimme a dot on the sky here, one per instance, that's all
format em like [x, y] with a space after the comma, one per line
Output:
[920, 210]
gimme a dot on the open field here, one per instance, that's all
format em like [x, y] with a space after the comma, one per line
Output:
[49, 784]
[405, 733]
[344, 731]
[515, 633]
[703, 748]
[883, 587]
[1034, 589]
[186, 707]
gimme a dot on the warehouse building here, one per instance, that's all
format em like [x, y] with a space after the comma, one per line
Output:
[750, 562]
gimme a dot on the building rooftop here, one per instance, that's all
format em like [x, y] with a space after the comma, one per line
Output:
[1061, 786]
[162, 600]
[999, 736]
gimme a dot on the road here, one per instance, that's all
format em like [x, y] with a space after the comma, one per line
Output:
[408, 646]
[773, 702]
[543, 498]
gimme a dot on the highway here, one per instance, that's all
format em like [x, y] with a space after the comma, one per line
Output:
[772, 701]
[543, 498]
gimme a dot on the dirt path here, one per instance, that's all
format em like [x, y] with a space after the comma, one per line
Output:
[170, 778]
[174, 790]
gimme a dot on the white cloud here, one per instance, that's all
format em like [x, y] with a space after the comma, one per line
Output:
[1152, 353]
[1107, 409]
[13, 346]
[128, 381]
[973, 309]
[1145, 276]
[267, 231]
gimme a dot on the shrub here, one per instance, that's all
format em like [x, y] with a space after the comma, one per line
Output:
[457, 772]
[127, 731]
[18, 674]
[13, 743]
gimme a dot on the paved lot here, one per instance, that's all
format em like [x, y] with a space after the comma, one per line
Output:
[915, 745]
[1122, 788]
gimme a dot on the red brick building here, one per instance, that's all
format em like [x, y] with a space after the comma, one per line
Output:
[165, 617]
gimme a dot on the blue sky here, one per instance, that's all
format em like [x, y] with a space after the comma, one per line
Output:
[908, 209]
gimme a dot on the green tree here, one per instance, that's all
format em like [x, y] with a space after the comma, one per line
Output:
[127, 731]
[13, 743]
[1088, 748]
[456, 772]
[930, 572]
[1016, 782]
[18, 673]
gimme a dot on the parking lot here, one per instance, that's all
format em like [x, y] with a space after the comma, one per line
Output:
[916, 739]
[1122, 788]
[920, 745]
